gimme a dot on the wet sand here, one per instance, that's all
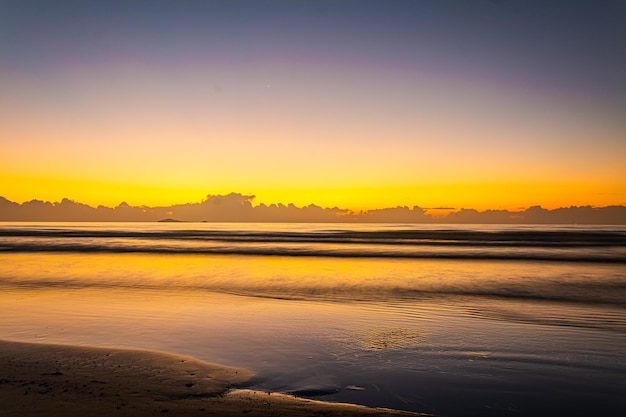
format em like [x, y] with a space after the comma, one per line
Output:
[41, 379]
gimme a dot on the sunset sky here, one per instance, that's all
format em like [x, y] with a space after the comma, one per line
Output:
[357, 104]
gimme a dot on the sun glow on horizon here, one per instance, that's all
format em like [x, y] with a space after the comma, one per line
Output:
[449, 197]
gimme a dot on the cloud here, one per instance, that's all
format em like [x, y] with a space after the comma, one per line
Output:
[235, 207]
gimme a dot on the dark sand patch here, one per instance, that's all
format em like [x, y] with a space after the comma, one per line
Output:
[55, 380]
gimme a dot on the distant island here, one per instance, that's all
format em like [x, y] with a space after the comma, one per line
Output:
[236, 207]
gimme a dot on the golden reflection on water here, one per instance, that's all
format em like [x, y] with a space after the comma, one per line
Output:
[379, 303]
[313, 278]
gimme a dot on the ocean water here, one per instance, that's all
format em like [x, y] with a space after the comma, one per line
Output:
[453, 320]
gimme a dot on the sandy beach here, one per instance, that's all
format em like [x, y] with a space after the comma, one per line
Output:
[45, 379]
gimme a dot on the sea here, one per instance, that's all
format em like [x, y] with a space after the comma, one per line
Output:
[451, 320]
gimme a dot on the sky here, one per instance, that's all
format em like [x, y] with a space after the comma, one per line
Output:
[497, 104]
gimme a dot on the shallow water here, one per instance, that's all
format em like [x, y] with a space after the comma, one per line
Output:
[455, 337]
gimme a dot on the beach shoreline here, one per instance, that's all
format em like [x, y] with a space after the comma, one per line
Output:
[69, 380]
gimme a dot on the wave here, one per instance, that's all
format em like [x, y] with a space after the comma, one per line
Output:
[538, 245]
[434, 253]
[611, 291]
[533, 238]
